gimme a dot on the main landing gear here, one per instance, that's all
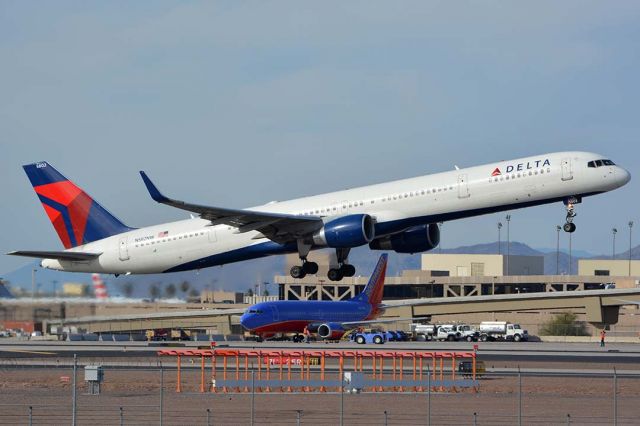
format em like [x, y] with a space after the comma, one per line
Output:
[344, 269]
[306, 267]
[569, 226]
[335, 274]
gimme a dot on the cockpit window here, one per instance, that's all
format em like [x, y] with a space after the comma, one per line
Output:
[254, 311]
[600, 163]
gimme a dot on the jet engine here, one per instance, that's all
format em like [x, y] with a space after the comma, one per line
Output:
[346, 232]
[331, 331]
[412, 240]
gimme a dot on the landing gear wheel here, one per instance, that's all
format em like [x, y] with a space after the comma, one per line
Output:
[310, 268]
[297, 272]
[569, 227]
[348, 270]
[335, 274]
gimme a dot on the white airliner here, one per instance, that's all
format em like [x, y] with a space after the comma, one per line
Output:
[401, 216]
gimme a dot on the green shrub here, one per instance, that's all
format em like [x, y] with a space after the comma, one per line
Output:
[564, 324]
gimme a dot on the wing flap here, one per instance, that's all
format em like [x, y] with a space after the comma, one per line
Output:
[58, 255]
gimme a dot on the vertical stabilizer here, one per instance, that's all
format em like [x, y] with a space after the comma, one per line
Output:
[99, 287]
[76, 217]
[372, 293]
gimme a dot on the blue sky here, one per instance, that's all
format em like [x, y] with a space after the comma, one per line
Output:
[239, 103]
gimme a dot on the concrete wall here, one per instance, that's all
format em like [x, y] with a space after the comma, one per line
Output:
[462, 265]
[524, 265]
[615, 267]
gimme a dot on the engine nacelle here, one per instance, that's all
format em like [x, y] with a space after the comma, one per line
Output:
[413, 240]
[346, 232]
[331, 331]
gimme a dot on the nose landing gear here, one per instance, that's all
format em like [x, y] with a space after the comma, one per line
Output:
[569, 226]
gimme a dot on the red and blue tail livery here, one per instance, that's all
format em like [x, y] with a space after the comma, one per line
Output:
[77, 218]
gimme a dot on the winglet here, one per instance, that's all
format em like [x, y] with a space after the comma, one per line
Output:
[153, 190]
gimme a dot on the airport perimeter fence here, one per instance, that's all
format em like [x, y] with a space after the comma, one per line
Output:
[145, 395]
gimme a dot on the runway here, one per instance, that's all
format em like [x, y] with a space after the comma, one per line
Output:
[625, 353]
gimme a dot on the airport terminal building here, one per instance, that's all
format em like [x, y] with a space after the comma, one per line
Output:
[454, 275]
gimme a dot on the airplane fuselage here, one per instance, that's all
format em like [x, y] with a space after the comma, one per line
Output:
[292, 316]
[395, 206]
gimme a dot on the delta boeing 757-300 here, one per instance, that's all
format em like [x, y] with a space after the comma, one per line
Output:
[400, 216]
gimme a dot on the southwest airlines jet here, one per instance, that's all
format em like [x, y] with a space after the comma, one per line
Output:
[399, 216]
[329, 319]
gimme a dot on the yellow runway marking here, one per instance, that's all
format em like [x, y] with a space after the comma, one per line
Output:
[28, 352]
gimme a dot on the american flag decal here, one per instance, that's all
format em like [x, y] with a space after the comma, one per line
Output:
[163, 234]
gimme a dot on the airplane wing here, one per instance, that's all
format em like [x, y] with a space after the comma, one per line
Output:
[382, 321]
[58, 255]
[280, 228]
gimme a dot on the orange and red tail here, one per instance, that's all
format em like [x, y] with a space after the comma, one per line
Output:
[99, 287]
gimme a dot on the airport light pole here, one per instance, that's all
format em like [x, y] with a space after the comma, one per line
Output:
[570, 254]
[499, 228]
[508, 241]
[33, 283]
[440, 232]
[630, 227]
[558, 228]
[614, 231]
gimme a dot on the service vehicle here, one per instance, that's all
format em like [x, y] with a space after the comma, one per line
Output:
[465, 368]
[423, 332]
[368, 336]
[502, 330]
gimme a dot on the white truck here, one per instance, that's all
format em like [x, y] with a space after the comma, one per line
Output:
[502, 330]
[423, 332]
[449, 332]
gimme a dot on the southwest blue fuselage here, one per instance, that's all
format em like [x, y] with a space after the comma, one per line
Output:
[292, 316]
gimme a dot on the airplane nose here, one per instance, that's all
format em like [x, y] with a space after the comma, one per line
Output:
[624, 176]
[244, 321]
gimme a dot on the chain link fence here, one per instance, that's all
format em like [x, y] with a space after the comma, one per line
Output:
[145, 395]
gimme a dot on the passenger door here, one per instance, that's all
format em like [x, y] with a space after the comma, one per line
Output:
[463, 186]
[123, 249]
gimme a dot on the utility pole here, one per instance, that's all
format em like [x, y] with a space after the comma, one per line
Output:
[558, 228]
[499, 228]
[614, 231]
[508, 241]
[630, 226]
[570, 254]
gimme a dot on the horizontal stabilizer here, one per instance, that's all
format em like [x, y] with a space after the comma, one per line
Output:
[58, 255]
